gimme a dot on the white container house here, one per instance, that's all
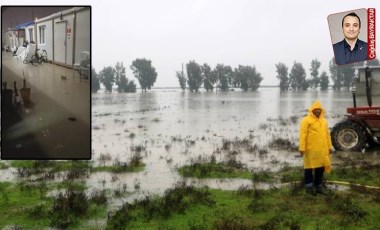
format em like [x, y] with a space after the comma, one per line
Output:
[65, 35]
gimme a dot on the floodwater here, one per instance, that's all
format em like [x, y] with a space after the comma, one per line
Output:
[174, 128]
[170, 128]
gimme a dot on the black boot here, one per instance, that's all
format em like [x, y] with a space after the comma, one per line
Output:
[321, 190]
[310, 190]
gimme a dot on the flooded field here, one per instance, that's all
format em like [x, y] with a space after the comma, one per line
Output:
[171, 128]
[168, 128]
[141, 141]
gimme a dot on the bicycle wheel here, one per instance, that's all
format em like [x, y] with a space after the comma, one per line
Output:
[44, 56]
[34, 60]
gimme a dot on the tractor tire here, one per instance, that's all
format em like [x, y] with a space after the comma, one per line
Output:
[348, 136]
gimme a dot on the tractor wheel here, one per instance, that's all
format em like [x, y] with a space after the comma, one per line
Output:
[348, 136]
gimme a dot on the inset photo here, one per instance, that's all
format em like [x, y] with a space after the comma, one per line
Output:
[45, 76]
[349, 36]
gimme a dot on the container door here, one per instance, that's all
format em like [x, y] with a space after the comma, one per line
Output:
[60, 42]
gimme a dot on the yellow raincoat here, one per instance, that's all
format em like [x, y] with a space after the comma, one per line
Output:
[315, 139]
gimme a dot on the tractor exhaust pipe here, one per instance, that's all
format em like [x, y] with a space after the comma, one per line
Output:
[368, 87]
[353, 90]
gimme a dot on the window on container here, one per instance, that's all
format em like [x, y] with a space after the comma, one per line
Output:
[30, 34]
[42, 34]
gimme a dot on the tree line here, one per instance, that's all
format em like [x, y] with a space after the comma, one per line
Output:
[225, 78]
[222, 77]
[341, 76]
[142, 70]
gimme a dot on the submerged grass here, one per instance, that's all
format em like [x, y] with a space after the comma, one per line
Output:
[214, 170]
[356, 175]
[363, 173]
[3, 165]
[119, 168]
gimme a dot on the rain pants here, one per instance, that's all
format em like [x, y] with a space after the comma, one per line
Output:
[315, 139]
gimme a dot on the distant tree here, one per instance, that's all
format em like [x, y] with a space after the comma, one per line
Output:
[297, 77]
[348, 73]
[181, 78]
[229, 72]
[248, 77]
[224, 75]
[144, 72]
[235, 79]
[315, 64]
[342, 75]
[324, 81]
[95, 84]
[336, 75]
[194, 76]
[120, 77]
[282, 75]
[107, 77]
[208, 77]
[131, 87]
[305, 84]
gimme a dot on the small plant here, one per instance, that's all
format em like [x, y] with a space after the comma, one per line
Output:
[156, 120]
[67, 207]
[99, 197]
[345, 205]
[136, 159]
[231, 222]
[245, 190]
[38, 211]
[281, 143]
[121, 218]
[167, 147]
[104, 158]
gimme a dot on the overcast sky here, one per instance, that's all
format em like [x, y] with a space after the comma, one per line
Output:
[230, 32]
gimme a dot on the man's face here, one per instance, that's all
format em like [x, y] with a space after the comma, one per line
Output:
[351, 27]
[317, 112]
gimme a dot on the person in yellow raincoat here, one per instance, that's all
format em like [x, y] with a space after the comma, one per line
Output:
[315, 147]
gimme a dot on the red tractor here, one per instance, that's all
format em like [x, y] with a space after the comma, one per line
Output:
[361, 126]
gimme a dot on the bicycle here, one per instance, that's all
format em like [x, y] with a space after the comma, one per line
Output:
[39, 57]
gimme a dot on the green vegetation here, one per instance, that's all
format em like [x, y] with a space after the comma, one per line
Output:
[26, 168]
[363, 173]
[3, 165]
[369, 175]
[288, 208]
[26, 205]
[214, 170]
[58, 166]
[18, 205]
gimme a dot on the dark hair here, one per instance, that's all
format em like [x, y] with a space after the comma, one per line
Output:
[352, 14]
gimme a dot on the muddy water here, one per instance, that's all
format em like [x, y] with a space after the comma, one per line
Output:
[172, 128]
[176, 128]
